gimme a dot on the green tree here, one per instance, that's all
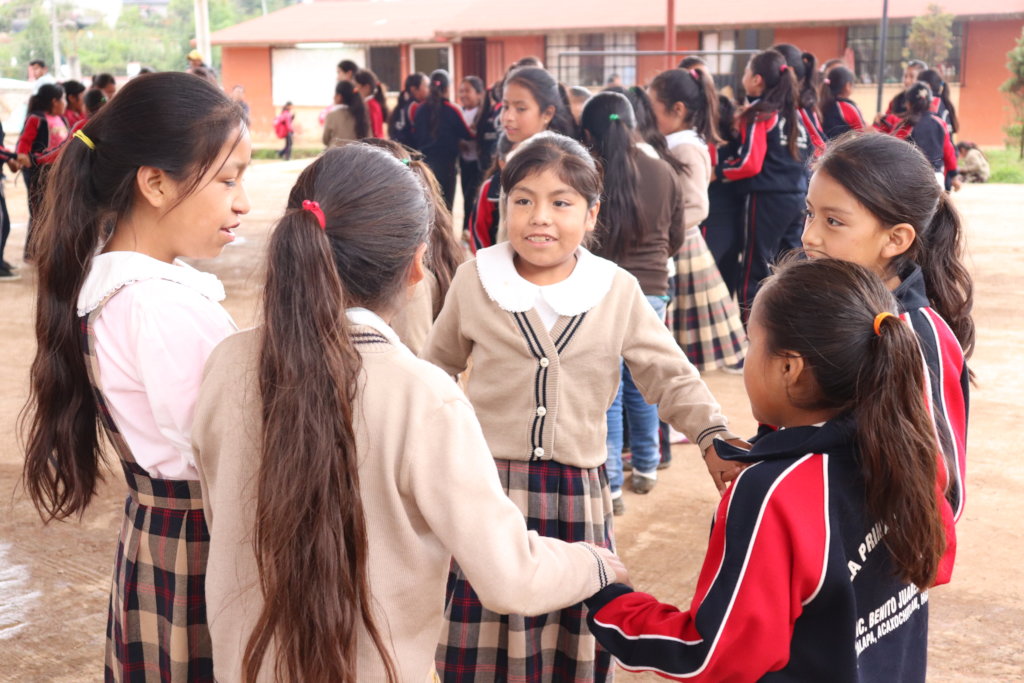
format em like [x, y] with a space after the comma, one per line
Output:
[1014, 89]
[931, 36]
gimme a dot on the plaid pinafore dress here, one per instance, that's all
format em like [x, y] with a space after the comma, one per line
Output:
[156, 621]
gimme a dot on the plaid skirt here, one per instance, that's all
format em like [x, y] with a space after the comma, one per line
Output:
[703, 316]
[559, 501]
[156, 622]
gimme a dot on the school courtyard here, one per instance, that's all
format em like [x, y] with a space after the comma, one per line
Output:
[54, 580]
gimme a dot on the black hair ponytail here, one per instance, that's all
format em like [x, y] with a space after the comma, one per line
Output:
[696, 90]
[803, 65]
[609, 128]
[440, 83]
[780, 95]
[919, 102]
[367, 77]
[834, 84]
[940, 89]
[866, 362]
[351, 98]
[647, 127]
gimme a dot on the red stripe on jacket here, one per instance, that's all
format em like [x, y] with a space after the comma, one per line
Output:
[753, 150]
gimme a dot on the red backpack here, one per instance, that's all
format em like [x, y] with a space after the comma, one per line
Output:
[281, 125]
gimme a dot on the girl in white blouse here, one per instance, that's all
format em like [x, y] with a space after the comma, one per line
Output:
[124, 329]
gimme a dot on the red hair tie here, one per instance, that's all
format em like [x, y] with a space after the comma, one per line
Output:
[696, 76]
[783, 68]
[314, 208]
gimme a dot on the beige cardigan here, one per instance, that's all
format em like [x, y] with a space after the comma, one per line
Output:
[430, 492]
[544, 395]
[693, 152]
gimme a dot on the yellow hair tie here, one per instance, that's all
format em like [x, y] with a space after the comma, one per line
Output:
[85, 138]
[878, 321]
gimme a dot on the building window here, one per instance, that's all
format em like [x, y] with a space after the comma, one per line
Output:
[863, 41]
[727, 69]
[429, 58]
[592, 70]
[385, 61]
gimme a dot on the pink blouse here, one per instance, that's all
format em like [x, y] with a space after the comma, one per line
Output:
[153, 337]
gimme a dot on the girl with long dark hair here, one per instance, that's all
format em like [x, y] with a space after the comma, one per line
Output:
[639, 227]
[44, 130]
[704, 318]
[438, 128]
[929, 132]
[839, 113]
[123, 330]
[348, 119]
[873, 200]
[372, 92]
[823, 550]
[342, 474]
[804, 69]
[415, 89]
[772, 165]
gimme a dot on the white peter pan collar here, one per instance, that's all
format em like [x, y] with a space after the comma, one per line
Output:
[684, 137]
[111, 271]
[588, 283]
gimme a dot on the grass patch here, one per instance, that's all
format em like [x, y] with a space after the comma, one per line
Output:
[297, 153]
[1005, 165]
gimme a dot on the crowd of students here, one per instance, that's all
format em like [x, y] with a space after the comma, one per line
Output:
[316, 499]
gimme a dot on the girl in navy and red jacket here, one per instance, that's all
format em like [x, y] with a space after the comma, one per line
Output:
[839, 113]
[376, 103]
[891, 186]
[929, 133]
[399, 123]
[941, 105]
[437, 127]
[44, 131]
[824, 548]
[803, 65]
[772, 165]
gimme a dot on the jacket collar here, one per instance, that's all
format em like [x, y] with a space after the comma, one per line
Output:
[113, 270]
[834, 437]
[912, 293]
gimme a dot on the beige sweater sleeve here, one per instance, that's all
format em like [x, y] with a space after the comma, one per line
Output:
[512, 569]
[664, 376]
[694, 183]
[446, 346]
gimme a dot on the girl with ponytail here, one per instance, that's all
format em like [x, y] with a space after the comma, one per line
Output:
[873, 200]
[824, 548]
[930, 134]
[772, 165]
[639, 227]
[840, 113]
[123, 330]
[340, 473]
[941, 105]
[372, 92]
[415, 89]
[348, 118]
[703, 316]
[438, 128]
[803, 65]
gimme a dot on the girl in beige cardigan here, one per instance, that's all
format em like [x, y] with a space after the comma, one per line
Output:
[341, 474]
[546, 323]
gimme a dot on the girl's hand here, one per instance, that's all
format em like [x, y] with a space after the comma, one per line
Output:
[613, 560]
[24, 161]
[723, 471]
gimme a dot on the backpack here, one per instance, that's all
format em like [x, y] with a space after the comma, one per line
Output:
[281, 126]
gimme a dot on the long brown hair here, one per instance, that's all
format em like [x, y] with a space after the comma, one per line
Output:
[892, 179]
[444, 255]
[879, 379]
[172, 121]
[780, 95]
[310, 536]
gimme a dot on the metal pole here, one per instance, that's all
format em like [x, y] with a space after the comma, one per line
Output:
[55, 35]
[670, 31]
[881, 52]
[202, 10]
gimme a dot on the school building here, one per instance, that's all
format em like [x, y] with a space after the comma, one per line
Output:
[290, 55]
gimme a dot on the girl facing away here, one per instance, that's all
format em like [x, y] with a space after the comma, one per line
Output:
[840, 114]
[438, 129]
[824, 548]
[639, 227]
[546, 325]
[124, 329]
[348, 118]
[772, 166]
[873, 200]
[340, 473]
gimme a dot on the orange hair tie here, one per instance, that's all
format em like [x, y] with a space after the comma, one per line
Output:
[878, 321]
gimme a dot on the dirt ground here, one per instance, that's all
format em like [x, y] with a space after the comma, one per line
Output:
[54, 579]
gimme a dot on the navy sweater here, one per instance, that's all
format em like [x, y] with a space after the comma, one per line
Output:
[797, 584]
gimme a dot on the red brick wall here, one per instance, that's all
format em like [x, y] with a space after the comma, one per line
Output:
[984, 110]
[250, 68]
[824, 42]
